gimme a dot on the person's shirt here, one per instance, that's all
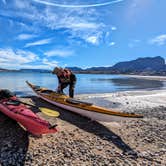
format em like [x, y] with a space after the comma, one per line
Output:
[66, 77]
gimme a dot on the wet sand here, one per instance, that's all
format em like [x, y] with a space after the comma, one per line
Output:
[80, 141]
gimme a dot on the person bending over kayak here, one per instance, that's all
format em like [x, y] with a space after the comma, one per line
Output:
[65, 78]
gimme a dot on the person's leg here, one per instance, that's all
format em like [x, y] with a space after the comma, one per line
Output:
[71, 90]
[61, 87]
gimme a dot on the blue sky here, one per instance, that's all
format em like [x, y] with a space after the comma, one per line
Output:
[43, 34]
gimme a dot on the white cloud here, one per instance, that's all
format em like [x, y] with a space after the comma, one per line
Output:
[84, 25]
[159, 40]
[49, 63]
[10, 58]
[60, 53]
[42, 66]
[21, 4]
[93, 40]
[112, 43]
[113, 28]
[89, 32]
[39, 42]
[26, 36]
[108, 39]
[19, 59]
[79, 26]
[77, 23]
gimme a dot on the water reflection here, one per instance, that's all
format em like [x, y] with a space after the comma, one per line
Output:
[131, 83]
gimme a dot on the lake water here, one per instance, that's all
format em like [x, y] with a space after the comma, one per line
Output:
[86, 83]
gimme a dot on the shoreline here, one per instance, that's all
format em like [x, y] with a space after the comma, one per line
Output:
[134, 99]
[80, 141]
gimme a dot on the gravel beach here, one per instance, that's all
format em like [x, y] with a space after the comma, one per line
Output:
[80, 141]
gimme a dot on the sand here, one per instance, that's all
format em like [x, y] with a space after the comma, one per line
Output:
[80, 141]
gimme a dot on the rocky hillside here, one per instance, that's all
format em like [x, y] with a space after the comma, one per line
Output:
[144, 66]
[1, 69]
[141, 65]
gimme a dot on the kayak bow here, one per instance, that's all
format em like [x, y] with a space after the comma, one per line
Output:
[24, 116]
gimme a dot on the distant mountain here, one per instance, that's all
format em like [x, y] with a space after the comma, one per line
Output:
[141, 65]
[1, 69]
[98, 70]
[75, 69]
[35, 70]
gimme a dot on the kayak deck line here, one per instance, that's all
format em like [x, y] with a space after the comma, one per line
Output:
[14, 110]
[75, 105]
[20, 112]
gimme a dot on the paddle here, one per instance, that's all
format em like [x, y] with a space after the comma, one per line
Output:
[47, 111]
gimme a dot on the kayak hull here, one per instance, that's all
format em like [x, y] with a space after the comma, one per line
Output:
[24, 116]
[83, 108]
[89, 114]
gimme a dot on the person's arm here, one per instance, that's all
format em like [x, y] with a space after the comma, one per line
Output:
[59, 85]
[73, 78]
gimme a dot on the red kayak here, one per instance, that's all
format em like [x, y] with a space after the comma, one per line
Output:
[24, 116]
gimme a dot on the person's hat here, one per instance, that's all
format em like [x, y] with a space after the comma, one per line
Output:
[56, 70]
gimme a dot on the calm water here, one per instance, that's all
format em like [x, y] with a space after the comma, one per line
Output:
[86, 83]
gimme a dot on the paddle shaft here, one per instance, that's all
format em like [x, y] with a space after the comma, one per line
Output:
[27, 104]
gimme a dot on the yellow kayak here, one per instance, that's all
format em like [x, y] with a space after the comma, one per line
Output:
[86, 109]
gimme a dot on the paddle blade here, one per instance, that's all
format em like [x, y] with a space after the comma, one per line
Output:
[49, 112]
